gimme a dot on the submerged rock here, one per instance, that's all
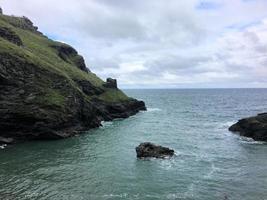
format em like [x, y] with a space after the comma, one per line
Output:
[148, 149]
[253, 127]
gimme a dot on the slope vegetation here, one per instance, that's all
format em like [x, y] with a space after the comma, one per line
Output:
[47, 92]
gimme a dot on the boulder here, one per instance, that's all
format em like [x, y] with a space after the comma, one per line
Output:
[254, 127]
[148, 149]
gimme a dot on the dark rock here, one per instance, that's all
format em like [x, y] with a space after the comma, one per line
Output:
[119, 109]
[89, 88]
[111, 83]
[29, 24]
[253, 127]
[10, 35]
[45, 133]
[148, 149]
[70, 55]
[26, 114]
[24, 23]
[1, 11]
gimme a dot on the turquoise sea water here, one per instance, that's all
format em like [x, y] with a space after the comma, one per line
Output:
[210, 162]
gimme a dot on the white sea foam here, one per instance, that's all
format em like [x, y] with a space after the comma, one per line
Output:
[212, 171]
[225, 125]
[177, 153]
[105, 124]
[243, 139]
[3, 146]
[176, 196]
[153, 109]
[190, 190]
[247, 140]
[129, 196]
[123, 195]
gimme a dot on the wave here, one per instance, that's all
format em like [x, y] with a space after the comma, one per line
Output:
[247, 140]
[3, 146]
[225, 125]
[171, 196]
[213, 169]
[106, 124]
[153, 109]
[243, 139]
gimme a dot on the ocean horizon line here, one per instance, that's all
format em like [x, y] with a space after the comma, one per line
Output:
[190, 88]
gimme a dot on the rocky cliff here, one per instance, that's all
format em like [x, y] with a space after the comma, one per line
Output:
[47, 92]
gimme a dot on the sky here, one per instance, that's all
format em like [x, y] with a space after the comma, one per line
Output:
[160, 43]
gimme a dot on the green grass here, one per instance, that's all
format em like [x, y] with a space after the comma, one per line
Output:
[12, 20]
[52, 98]
[40, 46]
[37, 50]
[113, 95]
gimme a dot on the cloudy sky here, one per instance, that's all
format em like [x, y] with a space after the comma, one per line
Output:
[160, 43]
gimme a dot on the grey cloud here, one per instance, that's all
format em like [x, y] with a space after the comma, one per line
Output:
[102, 64]
[174, 43]
[178, 63]
[251, 36]
[111, 26]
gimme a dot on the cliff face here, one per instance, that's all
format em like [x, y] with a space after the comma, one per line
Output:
[46, 90]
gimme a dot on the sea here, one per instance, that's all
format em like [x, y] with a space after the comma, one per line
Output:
[210, 163]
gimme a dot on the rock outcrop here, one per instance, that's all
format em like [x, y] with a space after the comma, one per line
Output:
[11, 36]
[47, 92]
[111, 83]
[70, 55]
[148, 149]
[253, 127]
[88, 88]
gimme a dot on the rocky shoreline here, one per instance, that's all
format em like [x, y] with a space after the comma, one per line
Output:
[47, 92]
[42, 131]
[254, 127]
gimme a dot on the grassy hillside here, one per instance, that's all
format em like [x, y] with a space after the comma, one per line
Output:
[46, 90]
[42, 52]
